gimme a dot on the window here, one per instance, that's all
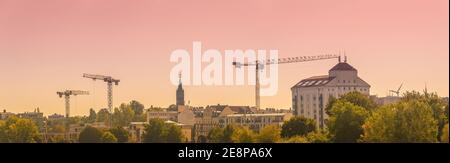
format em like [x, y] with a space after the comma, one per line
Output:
[343, 81]
[354, 81]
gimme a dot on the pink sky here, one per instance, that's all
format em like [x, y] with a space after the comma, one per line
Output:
[46, 46]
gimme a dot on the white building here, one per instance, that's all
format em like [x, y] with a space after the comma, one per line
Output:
[310, 96]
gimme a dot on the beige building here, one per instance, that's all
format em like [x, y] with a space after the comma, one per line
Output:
[254, 121]
[310, 95]
[205, 122]
[385, 100]
[164, 115]
[5, 115]
[136, 130]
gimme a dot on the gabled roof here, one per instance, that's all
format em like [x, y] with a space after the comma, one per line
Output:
[342, 66]
[314, 81]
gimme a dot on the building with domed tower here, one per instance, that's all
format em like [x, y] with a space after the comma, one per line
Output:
[311, 95]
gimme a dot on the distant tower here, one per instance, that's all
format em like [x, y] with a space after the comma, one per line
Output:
[180, 93]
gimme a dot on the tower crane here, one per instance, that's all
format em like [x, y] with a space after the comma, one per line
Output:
[67, 95]
[109, 80]
[260, 65]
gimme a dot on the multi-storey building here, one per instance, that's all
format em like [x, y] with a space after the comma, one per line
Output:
[310, 95]
[254, 122]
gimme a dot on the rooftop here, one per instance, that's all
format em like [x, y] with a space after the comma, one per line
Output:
[314, 81]
[342, 66]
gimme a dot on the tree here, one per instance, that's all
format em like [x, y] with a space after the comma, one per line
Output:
[137, 107]
[437, 105]
[159, 132]
[123, 115]
[19, 130]
[317, 137]
[90, 135]
[227, 134]
[103, 116]
[269, 134]
[173, 134]
[403, 122]
[345, 122]
[444, 138]
[153, 132]
[330, 104]
[297, 126]
[356, 98]
[215, 135]
[294, 139]
[92, 116]
[108, 137]
[242, 135]
[57, 128]
[120, 133]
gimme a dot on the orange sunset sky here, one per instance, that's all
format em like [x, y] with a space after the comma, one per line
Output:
[46, 46]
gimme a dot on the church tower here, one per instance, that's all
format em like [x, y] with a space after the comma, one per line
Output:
[180, 93]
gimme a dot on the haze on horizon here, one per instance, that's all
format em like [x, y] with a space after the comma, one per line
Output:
[46, 46]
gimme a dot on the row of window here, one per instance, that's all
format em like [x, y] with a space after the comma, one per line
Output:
[348, 81]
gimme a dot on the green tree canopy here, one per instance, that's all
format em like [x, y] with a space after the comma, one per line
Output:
[408, 121]
[436, 103]
[19, 130]
[356, 98]
[215, 135]
[153, 132]
[317, 137]
[159, 132]
[242, 135]
[294, 139]
[228, 133]
[444, 137]
[345, 122]
[120, 133]
[103, 116]
[123, 115]
[173, 134]
[269, 134]
[297, 126]
[90, 135]
[108, 137]
[137, 107]
[92, 116]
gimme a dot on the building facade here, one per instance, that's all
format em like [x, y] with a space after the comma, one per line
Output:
[311, 95]
[5, 115]
[254, 122]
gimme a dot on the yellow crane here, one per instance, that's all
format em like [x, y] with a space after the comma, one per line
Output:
[260, 65]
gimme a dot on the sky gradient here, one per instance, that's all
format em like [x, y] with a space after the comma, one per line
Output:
[46, 46]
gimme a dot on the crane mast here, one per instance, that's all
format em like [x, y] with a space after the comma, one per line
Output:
[259, 65]
[67, 95]
[109, 80]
